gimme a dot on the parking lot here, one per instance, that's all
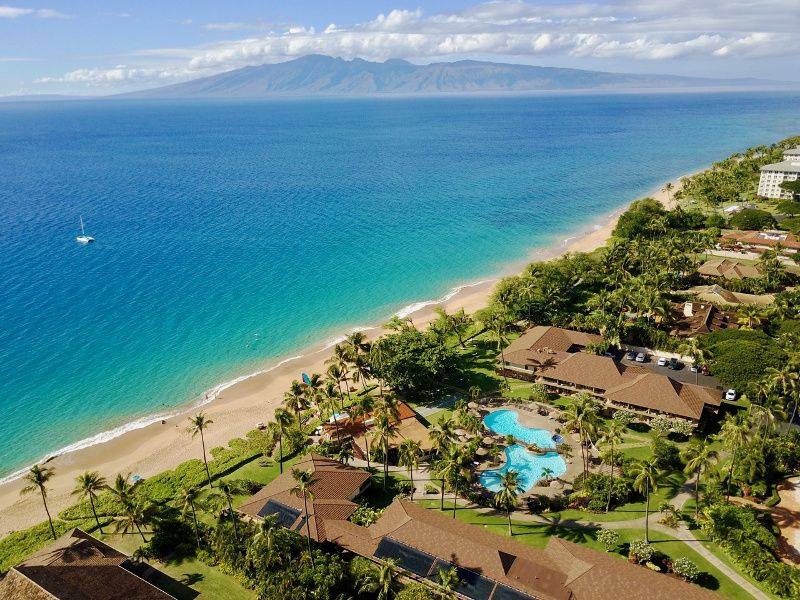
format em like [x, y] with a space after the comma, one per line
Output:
[684, 374]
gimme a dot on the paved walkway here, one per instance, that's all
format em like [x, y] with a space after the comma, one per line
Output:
[682, 533]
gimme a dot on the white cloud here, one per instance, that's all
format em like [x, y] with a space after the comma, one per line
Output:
[632, 30]
[13, 12]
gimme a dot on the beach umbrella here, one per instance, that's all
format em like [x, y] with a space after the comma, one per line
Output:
[488, 441]
[460, 432]
[472, 405]
[481, 452]
[306, 378]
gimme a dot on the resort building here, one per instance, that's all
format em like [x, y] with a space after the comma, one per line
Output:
[728, 268]
[772, 176]
[554, 357]
[494, 567]
[78, 566]
[761, 240]
[543, 346]
[630, 387]
[333, 486]
[690, 319]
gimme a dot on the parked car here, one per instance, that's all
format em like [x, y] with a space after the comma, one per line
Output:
[630, 356]
[641, 357]
[662, 361]
[674, 364]
[730, 394]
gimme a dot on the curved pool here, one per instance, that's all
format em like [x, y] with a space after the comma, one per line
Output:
[529, 466]
[506, 422]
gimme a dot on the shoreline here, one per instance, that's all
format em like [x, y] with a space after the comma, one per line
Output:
[154, 443]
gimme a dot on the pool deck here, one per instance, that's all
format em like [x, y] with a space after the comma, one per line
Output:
[528, 416]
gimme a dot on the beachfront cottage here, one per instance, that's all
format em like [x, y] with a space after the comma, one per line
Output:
[772, 176]
[334, 487]
[494, 567]
[78, 565]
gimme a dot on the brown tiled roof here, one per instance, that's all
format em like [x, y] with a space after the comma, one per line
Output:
[561, 571]
[544, 345]
[632, 385]
[334, 486]
[728, 268]
[609, 578]
[763, 238]
[591, 370]
[78, 566]
[664, 394]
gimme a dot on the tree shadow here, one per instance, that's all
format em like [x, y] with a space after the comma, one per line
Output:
[178, 589]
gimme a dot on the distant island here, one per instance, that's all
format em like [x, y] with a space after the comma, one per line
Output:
[321, 75]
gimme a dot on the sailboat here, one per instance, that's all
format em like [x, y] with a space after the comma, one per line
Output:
[83, 238]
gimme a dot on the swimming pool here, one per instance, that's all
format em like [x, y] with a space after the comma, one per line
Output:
[529, 466]
[505, 422]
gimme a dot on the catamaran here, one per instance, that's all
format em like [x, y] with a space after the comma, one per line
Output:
[83, 238]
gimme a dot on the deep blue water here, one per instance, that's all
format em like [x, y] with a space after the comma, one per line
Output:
[232, 233]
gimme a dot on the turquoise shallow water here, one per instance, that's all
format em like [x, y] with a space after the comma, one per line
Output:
[505, 422]
[530, 468]
[230, 234]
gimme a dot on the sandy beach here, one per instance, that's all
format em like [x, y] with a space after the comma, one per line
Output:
[237, 409]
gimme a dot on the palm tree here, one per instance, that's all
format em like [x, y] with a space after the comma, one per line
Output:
[698, 455]
[385, 431]
[582, 415]
[341, 358]
[668, 189]
[330, 406]
[36, 480]
[457, 324]
[123, 488]
[750, 315]
[410, 452]
[787, 380]
[384, 582]
[135, 513]
[734, 433]
[357, 342]
[450, 468]
[345, 453]
[335, 374]
[294, 399]
[303, 482]
[87, 485]
[646, 476]
[198, 425]
[691, 347]
[448, 579]
[361, 371]
[612, 436]
[506, 498]
[224, 497]
[441, 435]
[188, 499]
[498, 324]
[283, 421]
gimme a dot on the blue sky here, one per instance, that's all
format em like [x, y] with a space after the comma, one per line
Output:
[94, 47]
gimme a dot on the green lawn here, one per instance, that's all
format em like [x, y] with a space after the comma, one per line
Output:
[206, 581]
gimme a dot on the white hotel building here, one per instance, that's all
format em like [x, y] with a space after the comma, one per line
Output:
[772, 176]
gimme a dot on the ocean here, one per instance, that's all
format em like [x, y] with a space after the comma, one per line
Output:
[231, 234]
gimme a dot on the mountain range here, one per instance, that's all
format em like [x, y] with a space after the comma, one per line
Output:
[324, 75]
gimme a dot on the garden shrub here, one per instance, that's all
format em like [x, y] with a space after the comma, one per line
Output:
[641, 551]
[609, 538]
[752, 218]
[416, 591]
[685, 568]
